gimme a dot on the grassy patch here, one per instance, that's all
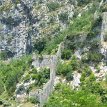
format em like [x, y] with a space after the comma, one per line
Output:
[81, 24]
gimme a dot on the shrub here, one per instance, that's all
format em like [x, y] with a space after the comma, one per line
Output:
[105, 37]
[1, 86]
[13, 71]
[34, 76]
[39, 45]
[46, 72]
[97, 22]
[94, 57]
[64, 69]
[74, 63]
[52, 44]
[33, 100]
[69, 76]
[86, 72]
[27, 78]
[82, 24]
[104, 98]
[104, 7]
[94, 45]
[41, 77]
[3, 55]
[91, 35]
[106, 78]
[66, 54]
[34, 71]
[97, 69]
[63, 17]
[64, 96]
[52, 6]
[83, 2]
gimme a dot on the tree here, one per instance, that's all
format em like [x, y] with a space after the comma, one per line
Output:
[63, 17]
[64, 96]
[66, 54]
[39, 45]
[3, 55]
[64, 69]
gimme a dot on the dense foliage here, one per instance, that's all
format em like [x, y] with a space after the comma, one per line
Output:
[90, 93]
[52, 6]
[63, 17]
[81, 35]
[40, 77]
[83, 2]
[66, 69]
[66, 54]
[64, 96]
[11, 72]
[82, 24]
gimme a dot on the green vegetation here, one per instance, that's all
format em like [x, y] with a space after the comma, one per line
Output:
[82, 35]
[90, 93]
[33, 100]
[52, 44]
[94, 57]
[66, 69]
[52, 6]
[105, 37]
[11, 72]
[40, 77]
[39, 45]
[71, 42]
[79, 26]
[3, 55]
[66, 54]
[91, 31]
[64, 96]
[104, 7]
[63, 17]
[82, 24]
[6, 7]
[83, 2]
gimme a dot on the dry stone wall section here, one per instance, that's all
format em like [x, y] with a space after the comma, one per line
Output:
[51, 62]
[104, 36]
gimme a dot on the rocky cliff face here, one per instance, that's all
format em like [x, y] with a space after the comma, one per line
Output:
[22, 21]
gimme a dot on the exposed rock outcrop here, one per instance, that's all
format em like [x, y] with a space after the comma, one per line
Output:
[21, 21]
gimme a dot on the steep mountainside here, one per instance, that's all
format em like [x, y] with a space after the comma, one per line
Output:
[53, 53]
[22, 21]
